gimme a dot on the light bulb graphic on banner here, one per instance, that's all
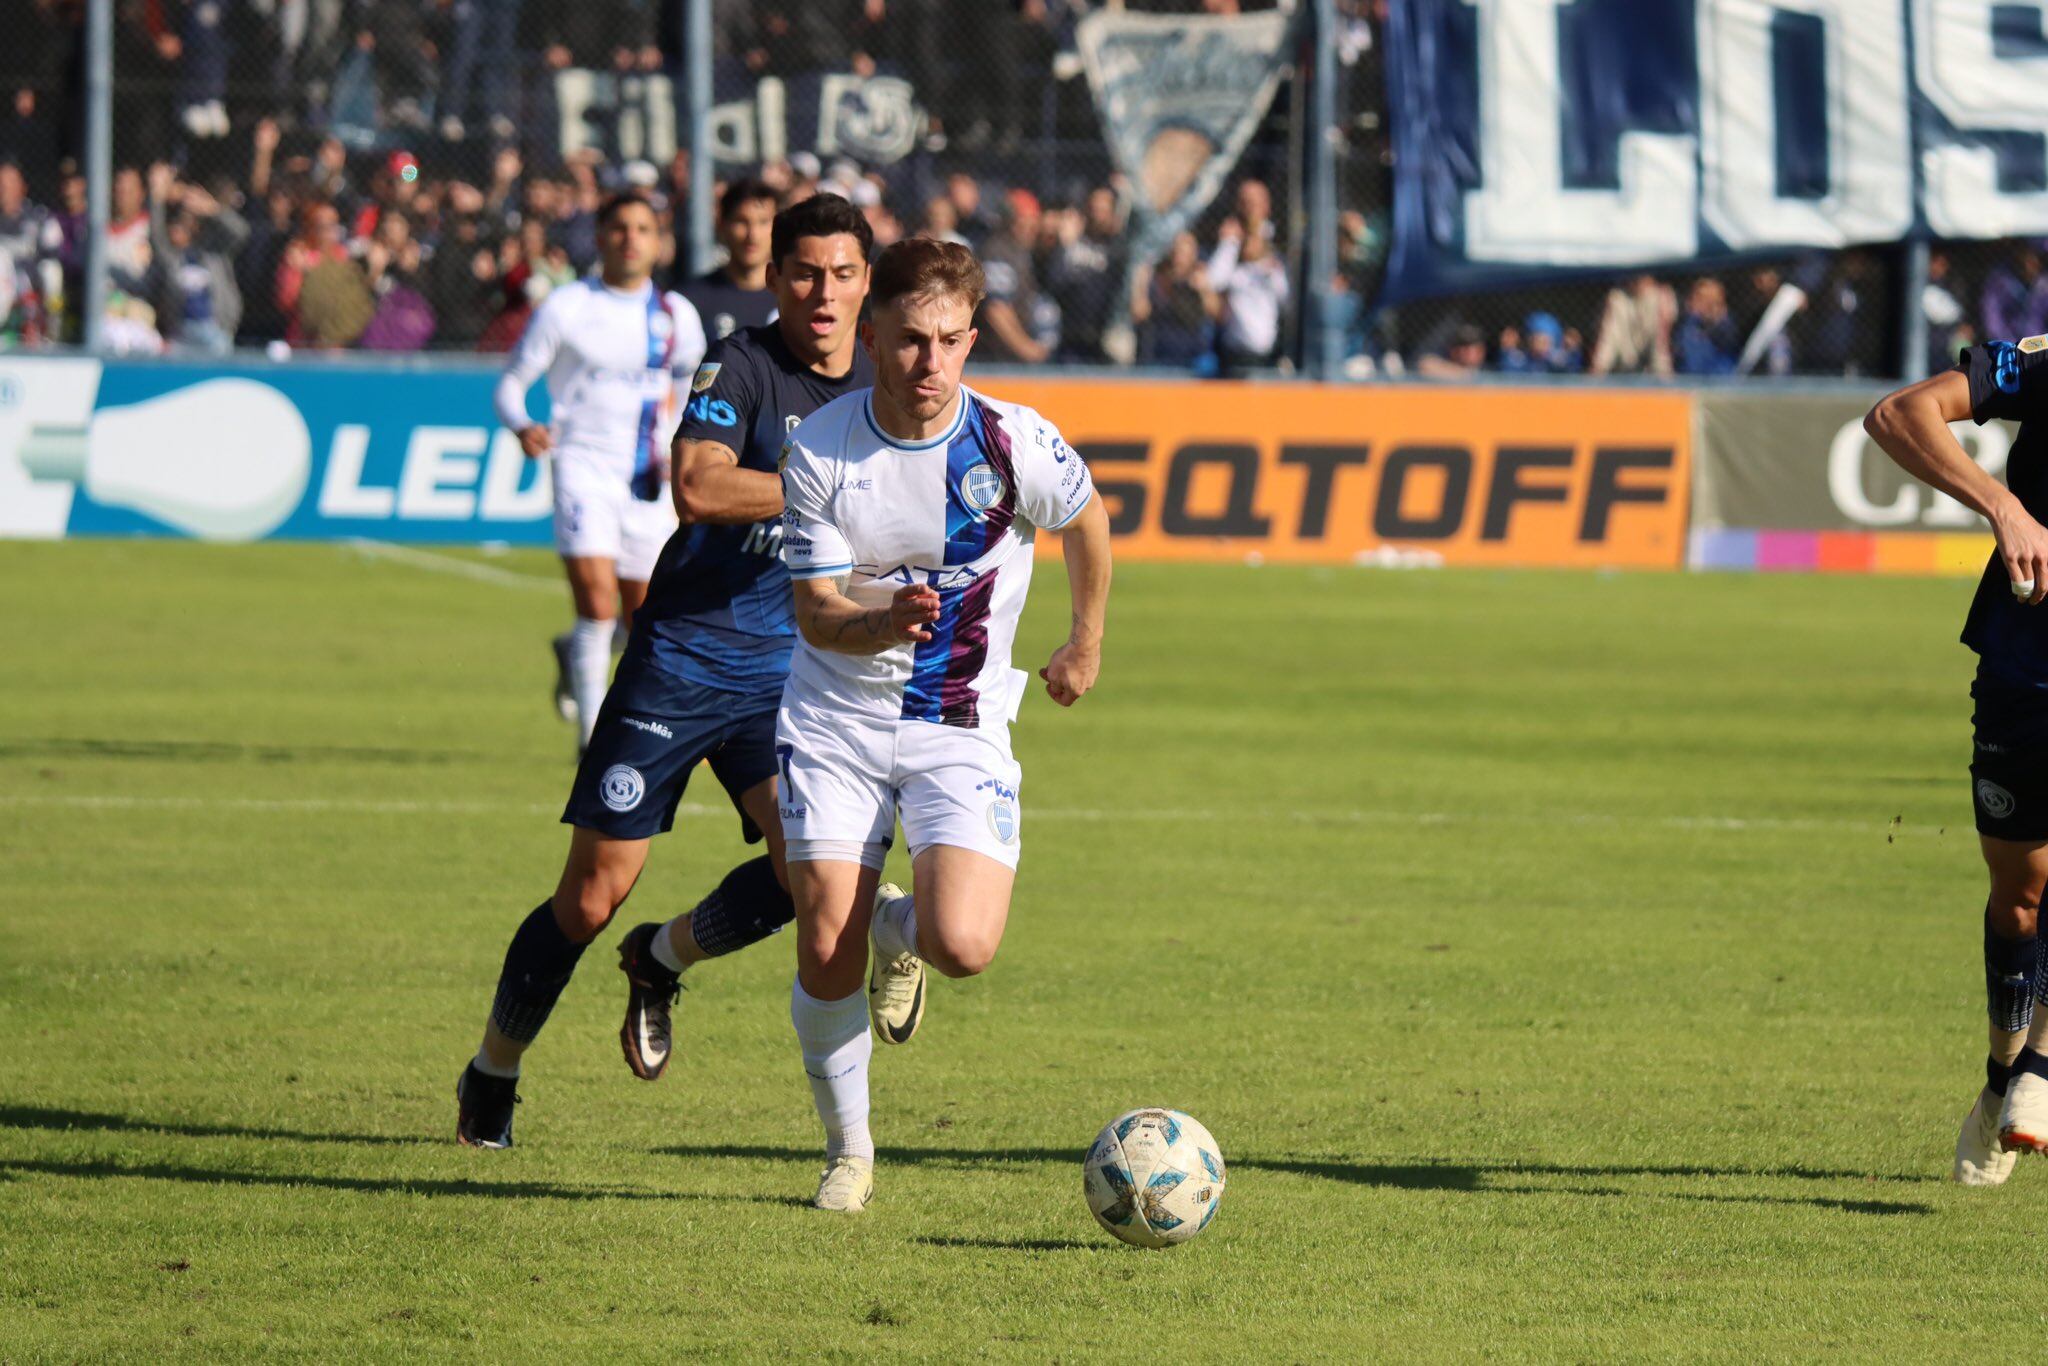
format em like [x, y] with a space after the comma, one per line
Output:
[224, 460]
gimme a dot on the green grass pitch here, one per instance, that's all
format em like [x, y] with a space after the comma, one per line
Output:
[1569, 965]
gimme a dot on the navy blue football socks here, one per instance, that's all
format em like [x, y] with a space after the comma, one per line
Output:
[747, 907]
[538, 964]
[2009, 978]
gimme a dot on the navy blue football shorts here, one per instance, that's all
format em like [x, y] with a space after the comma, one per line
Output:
[651, 733]
[2009, 761]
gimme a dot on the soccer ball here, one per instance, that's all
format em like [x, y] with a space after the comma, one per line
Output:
[1153, 1177]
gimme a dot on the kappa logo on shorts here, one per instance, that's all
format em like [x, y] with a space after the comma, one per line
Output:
[1002, 821]
[622, 787]
[706, 376]
[1996, 801]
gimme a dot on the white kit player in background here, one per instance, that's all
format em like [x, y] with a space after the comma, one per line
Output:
[614, 350]
[909, 514]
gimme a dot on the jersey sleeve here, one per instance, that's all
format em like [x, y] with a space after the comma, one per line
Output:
[690, 343]
[1053, 483]
[2006, 380]
[812, 547]
[725, 393]
[536, 351]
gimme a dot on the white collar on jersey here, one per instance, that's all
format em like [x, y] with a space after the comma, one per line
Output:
[867, 409]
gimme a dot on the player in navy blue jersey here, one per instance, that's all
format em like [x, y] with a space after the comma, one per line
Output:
[736, 294]
[702, 674]
[2008, 628]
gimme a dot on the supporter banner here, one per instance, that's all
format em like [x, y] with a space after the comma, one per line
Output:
[231, 453]
[875, 119]
[1459, 476]
[1179, 97]
[1792, 482]
[1533, 135]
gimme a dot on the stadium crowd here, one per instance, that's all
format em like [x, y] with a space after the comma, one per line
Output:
[385, 175]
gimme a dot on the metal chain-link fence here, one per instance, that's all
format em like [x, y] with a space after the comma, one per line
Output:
[406, 175]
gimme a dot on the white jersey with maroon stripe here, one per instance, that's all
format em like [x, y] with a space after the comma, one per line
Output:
[957, 512]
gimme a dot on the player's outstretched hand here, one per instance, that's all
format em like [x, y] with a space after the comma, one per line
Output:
[1071, 672]
[913, 608]
[2023, 545]
[536, 441]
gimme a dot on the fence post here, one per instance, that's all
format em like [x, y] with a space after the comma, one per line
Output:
[1913, 312]
[99, 163]
[697, 102]
[1326, 344]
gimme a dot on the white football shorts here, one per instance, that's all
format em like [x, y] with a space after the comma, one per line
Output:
[848, 778]
[597, 516]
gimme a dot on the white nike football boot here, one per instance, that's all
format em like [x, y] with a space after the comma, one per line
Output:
[1981, 1158]
[895, 987]
[2024, 1125]
[847, 1185]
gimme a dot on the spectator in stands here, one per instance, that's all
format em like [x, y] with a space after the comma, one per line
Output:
[1084, 273]
[462, 282]
[29, 235]
[522, 292]
[72, 229]
[1013, 319]
[969, 218]
[1175, 309]
[203, 70]
[941, 221]
[128, 231]
[1944, 313]
[1457, 351]
[392, 267]
[1252, 279]
[1635, 330]
[2015, 300]
[318, 243]
[478, 82]
[256, 267]
[194, 239]
[1706, 340]
[736, 294]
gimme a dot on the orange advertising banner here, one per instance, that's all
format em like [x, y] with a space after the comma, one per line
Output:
[1331, 475]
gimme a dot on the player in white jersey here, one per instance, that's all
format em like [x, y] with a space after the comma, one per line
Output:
[909, 512]
[613, 349]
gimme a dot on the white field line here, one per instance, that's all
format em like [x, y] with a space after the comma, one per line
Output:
[437, 563]
[1565, 819]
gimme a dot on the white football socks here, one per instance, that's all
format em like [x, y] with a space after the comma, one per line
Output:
[895, 928]
[663, 947]
[590, 667]
[837, 1047]
[491, 1067]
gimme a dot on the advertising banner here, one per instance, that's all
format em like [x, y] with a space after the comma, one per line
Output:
[1792, 482]
[1218, 471]
[1456, 476]
[1533, 136]
[231, 453]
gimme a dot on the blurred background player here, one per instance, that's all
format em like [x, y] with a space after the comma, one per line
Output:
[911, 511]
[701, 678]
[612, 349]
[2009, 766]
[736, 294]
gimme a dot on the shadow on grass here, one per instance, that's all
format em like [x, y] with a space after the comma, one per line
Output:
[366, 1185]
[1476, 1178]
[216, 752]
[1015, 1244]
[41, 1117]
